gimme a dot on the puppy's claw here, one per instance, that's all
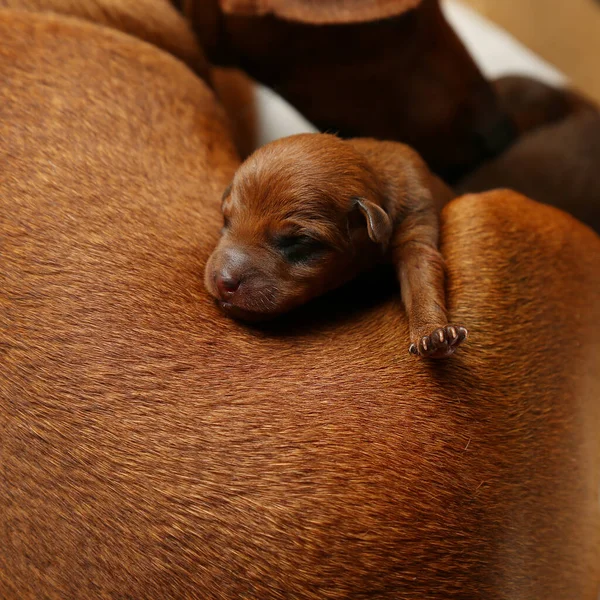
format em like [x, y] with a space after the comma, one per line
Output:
[441, 343]
[452, 334]
[461, 335]
[438, 338]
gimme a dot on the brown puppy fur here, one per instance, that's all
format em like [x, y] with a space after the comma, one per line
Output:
[307, 213]
[152, 449]
[406, 78]
[556, 160]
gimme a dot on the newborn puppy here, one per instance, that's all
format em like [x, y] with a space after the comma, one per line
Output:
[307, 213]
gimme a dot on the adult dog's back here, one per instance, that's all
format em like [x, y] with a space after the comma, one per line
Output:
[151, 448]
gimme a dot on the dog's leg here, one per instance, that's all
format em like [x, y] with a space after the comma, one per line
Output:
[421, 271]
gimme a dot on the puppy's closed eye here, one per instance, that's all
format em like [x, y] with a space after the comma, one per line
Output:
[299, 248]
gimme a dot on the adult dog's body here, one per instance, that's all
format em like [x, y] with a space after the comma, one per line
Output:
[150, 448]
[556, 159]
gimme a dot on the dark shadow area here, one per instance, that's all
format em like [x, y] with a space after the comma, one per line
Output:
[334, 308]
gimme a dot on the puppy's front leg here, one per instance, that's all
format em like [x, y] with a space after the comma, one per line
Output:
[421, 271]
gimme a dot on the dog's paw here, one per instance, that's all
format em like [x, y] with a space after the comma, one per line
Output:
[441, 343]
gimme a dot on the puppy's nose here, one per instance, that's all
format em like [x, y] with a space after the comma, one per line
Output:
[227, 284]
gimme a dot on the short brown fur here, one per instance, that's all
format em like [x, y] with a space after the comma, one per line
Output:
[152, 449]
[154, 21]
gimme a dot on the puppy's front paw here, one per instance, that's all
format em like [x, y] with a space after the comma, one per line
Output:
[441, 343]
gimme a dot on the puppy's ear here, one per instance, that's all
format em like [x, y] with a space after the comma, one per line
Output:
[379, 224]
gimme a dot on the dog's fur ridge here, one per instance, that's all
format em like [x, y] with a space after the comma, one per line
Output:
[154, 21]
[306, 213]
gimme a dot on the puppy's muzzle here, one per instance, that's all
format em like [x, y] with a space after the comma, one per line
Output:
[230, 270]
[227, 284]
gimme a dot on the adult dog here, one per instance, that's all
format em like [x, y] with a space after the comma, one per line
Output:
[151, 448]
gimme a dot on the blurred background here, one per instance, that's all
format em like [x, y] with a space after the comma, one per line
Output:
[564, 32]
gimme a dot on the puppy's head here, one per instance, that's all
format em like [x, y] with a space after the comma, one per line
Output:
[303, 215]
